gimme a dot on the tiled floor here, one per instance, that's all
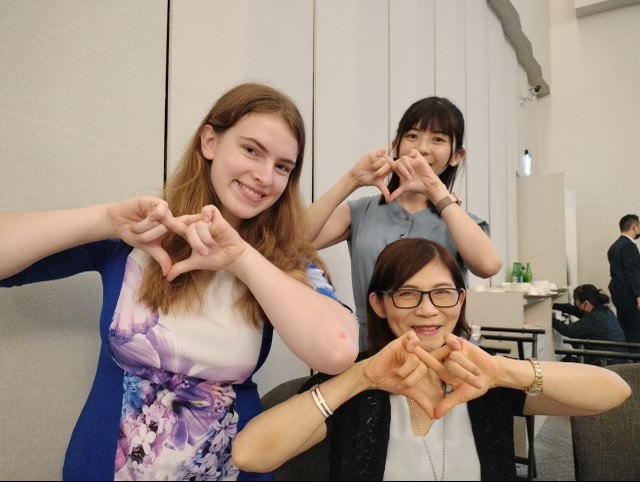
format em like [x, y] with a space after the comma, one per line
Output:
[554, 451]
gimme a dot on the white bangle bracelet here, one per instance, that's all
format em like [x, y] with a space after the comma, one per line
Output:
[320, 402]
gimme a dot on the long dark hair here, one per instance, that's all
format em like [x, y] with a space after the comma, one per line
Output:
[398, 262]
[436, 114]
[592, 294]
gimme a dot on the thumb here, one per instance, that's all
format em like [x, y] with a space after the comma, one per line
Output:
[424, 402]
[384, 190]
[181, 267]
[447, 404]
[399, 190]
[161, 256]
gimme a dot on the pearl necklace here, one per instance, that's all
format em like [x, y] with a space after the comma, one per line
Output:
[424, 442]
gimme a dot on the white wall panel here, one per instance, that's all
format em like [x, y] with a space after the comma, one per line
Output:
[351, 102]
[82, 100]
[450, 63]
[543, 237]
[218, 44]
[411, 56]
[82, 121]
[450, 48]
[477, 115]
[497, 145]
[512, 151]
[588, 127]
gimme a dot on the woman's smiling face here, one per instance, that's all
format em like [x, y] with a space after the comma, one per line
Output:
[429, 322]
[251, 164]
[435, 147]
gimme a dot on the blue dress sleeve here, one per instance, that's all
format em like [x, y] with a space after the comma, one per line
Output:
[88, 257]
[319, 281]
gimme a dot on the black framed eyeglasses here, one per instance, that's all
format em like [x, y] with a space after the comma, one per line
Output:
[409, 298]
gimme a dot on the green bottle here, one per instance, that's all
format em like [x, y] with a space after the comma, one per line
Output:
[516, 272]
[528, 275]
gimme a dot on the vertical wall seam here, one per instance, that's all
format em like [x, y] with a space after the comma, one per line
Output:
[389, 90]
[313, 103]
[166, 95]
[435, 50]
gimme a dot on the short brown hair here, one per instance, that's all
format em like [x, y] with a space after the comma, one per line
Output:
[398, 262]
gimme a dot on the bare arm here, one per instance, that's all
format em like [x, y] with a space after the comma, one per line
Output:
[329, 221]
[28, 237]
[474, 246]
[295, 425]
[317, 329]
[573, 388]
[568, 388]
[330, 228]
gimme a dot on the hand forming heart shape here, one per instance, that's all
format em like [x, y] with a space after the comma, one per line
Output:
[402, 367]
[145, 221]
[413, 170]
[466, 368]
[417, 176]
[396, 369]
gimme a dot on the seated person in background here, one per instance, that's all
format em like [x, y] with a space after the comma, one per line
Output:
[595, 321]
[426, 404]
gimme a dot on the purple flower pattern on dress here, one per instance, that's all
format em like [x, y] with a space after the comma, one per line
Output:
[186, 415]
[131, 318]
[174, 424]
[178, 417]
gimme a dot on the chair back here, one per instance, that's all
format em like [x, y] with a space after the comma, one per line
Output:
[310, 465]
[607, 446]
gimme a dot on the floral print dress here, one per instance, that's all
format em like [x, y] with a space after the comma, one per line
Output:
[162, 404]
[178, 416]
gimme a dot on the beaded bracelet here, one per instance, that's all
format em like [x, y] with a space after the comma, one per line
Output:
[321, 403]
[536, 387]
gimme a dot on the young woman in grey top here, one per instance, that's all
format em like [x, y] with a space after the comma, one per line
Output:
[416, 201]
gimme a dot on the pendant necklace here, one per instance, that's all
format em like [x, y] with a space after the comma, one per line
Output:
[424, 442]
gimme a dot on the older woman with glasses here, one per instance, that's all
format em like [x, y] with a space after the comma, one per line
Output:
[425, 404]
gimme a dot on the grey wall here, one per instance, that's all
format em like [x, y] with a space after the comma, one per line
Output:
[83, 121]
[588, 127]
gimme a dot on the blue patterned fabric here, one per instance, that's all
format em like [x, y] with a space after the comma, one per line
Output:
[118, 395]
